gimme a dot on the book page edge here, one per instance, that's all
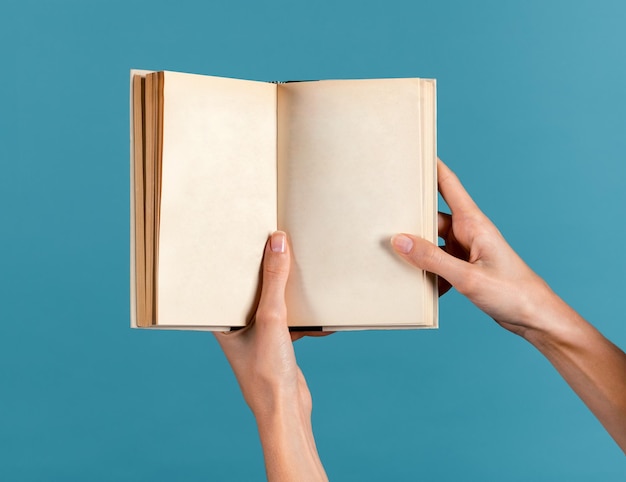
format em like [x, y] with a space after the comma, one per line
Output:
[429, 161]
[133, 292]
[323, 328]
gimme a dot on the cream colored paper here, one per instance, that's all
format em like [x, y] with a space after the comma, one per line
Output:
[218, 200]
[350, 175]
[356, 164]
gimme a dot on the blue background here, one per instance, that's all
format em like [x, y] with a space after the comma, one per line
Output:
[532, 111]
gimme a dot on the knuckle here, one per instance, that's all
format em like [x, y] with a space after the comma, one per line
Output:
[446, 177]
[470, 283]
[428, 255]
[271, 314]
[275, 270]
[472, 222]
[435, 255]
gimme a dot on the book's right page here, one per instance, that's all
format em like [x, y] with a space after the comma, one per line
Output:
[357, 164]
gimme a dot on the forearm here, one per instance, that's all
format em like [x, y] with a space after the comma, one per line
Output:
[288, 445]
[593, 366]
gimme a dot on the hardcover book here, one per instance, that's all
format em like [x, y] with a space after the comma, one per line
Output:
[217, 164]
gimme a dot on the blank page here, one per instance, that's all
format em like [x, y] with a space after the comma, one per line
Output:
[350, 175]
[218, 200]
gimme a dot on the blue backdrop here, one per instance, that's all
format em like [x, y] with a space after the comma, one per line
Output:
[532, 111]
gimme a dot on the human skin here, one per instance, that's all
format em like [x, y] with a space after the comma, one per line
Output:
[263, 360]
[481, 265]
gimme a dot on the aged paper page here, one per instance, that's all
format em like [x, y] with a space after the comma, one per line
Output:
[218, 199]
[350, 176]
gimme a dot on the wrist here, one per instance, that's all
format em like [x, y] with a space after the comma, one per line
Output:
[281, 399]
[283, 422]
[289, 449]
[281, 407]
[554, 324]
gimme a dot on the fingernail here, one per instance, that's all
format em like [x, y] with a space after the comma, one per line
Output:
[402, 243]
[277, 242]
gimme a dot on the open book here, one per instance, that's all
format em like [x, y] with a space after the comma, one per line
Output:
[217, 164]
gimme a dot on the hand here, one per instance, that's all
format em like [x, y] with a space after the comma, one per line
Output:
[263, 360]
[262, 355]
[480, 264]
[477, 260]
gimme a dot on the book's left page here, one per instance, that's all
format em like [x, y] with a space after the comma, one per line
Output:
[217, 199]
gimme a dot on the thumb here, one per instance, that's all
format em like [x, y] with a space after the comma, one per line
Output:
[425, 255]
[276, 261]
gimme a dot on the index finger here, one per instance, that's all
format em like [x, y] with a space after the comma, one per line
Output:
[453, 191]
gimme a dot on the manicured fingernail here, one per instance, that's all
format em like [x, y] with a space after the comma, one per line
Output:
[277, 242]
[402, 243]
